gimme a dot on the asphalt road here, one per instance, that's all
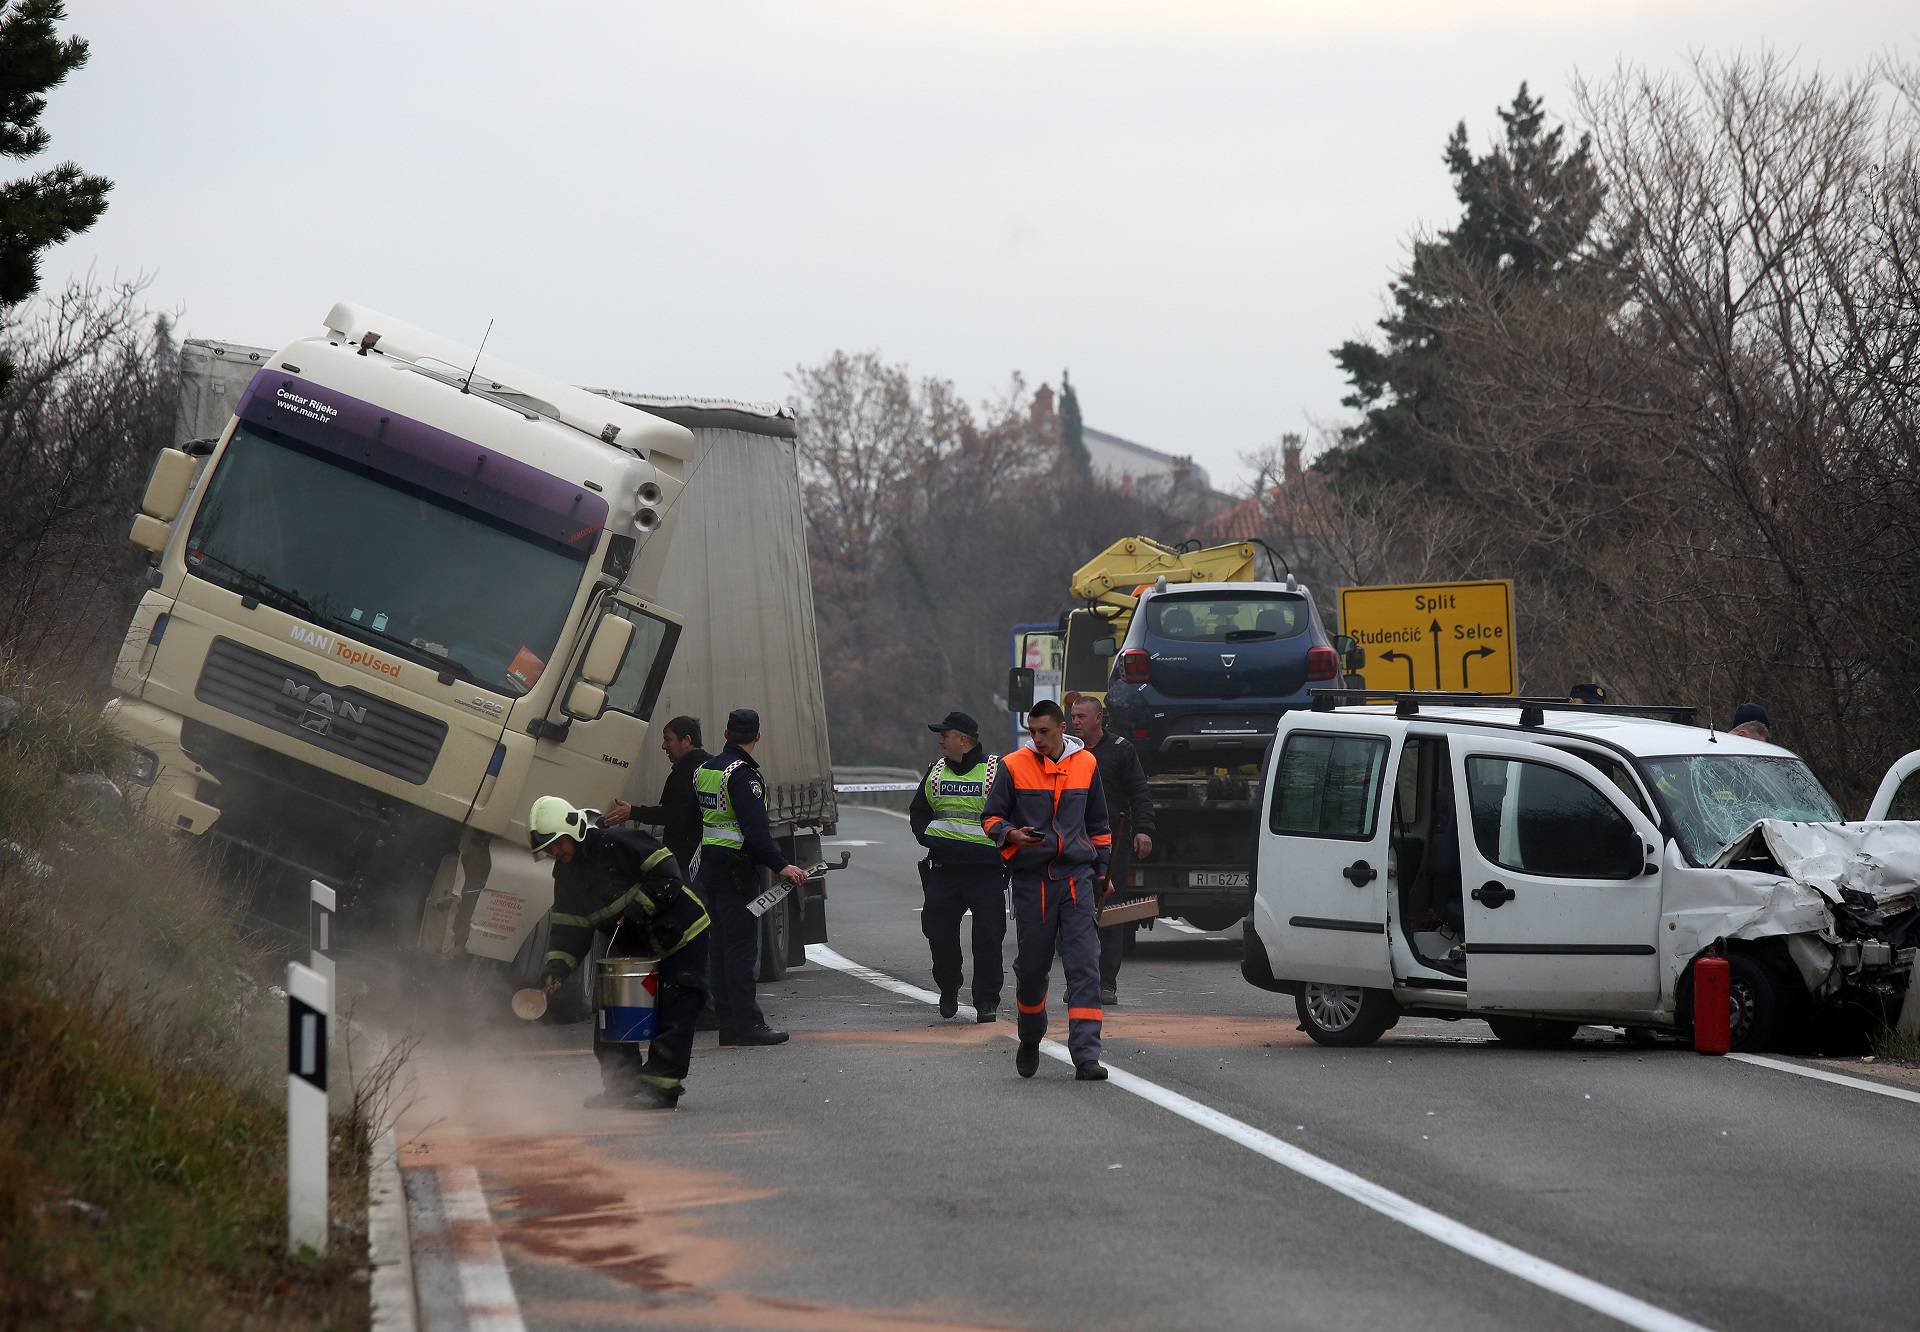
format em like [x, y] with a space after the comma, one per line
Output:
[886, 1168]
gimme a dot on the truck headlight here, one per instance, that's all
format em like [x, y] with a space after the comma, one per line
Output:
[146, 766]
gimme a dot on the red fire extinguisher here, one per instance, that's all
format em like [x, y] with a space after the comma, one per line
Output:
[1712, 1005]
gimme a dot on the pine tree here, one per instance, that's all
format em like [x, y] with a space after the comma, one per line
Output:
[1072, 434]
[1529, 214]
[45, 209]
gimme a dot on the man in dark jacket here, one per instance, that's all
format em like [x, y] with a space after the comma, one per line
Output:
[1046, 812]
[678, 813]
[735, 843]
[963, 871]
[622, 883]
[1130, 809]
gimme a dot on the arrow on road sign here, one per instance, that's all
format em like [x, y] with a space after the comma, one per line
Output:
[1400, 656]
[1466, 681]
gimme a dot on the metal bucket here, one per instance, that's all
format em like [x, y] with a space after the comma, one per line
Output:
[623, 993]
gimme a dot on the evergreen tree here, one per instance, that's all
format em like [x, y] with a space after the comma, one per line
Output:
[1529, 213]
[1072, 435]
[42, 210]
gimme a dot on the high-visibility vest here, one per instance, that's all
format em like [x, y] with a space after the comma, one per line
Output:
[718, 826]
[958, 800]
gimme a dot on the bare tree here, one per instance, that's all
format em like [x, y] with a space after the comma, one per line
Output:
[90, 405]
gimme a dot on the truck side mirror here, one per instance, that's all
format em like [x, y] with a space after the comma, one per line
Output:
[167, 488]
[1350, 652]
[1105, 647]
[607, 650]
[585, 701]
[1020, 690]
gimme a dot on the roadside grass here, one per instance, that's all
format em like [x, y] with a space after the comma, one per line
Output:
[142, 1075]
[1893, 1043]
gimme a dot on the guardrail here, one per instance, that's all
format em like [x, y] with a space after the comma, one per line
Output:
[887, 788]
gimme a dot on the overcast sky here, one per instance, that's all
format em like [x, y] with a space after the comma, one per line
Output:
[1188, 204]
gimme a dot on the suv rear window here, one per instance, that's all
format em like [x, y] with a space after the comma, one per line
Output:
[1247, 617]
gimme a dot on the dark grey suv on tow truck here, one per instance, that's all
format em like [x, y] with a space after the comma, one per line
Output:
[1199, 685]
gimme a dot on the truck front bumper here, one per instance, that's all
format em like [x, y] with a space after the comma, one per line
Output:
[171, 797]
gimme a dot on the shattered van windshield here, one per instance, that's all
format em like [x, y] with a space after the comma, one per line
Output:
[1715, 797]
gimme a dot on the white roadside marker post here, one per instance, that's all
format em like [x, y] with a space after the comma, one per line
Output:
[320, 931]
[309, 1002]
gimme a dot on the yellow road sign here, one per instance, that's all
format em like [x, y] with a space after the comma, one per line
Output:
[1453, 636]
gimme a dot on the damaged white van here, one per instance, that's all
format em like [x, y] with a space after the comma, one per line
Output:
[1540, 866]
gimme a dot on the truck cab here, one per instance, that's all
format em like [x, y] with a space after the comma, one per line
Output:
[404, 589]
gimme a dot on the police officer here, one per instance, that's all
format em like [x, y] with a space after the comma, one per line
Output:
[735, 840]
[623, 883]
[963, 870]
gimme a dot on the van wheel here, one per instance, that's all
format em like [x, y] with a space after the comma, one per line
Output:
[1344, 1015]
[1533, 1033]
[1757, 1000]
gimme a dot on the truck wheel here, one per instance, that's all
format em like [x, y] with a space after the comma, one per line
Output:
[1344, 1015]
[573, 1001]
[1211, 919]
[776, 931]
[1533, 1033]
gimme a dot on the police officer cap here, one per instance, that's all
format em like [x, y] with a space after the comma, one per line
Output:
[743, 724]
[957, 721]
[1587, 693]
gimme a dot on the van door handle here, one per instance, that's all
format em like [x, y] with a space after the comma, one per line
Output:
[1360, 874]
[1493, 894]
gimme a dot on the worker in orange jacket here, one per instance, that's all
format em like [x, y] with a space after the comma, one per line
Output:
[1048, 814]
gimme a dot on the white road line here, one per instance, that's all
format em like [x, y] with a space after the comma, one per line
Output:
[1615, 1304]
[486, 1291]
[1183, 927]
[1821, 1075]
[875, 809]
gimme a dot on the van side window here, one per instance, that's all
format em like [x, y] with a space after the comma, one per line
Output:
[1328, 785]
[1906, 799]
[1614, 771]
[1540, 819]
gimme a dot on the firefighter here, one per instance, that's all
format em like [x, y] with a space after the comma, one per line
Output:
[1047, 813]
[621, 882]
[735, 842]
[963, 871]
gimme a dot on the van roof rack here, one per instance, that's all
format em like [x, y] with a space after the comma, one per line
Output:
[1407, 703]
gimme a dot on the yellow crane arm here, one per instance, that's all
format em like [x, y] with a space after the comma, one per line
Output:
[1111, 577]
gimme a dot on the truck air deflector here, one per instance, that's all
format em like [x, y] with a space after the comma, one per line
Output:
[348, 430]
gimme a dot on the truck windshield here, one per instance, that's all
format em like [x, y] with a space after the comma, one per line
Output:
[1716, 797]
[1213, 618]
[404, 569]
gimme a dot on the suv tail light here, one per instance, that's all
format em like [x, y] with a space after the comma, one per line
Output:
[1135, 668]
[1323, 663]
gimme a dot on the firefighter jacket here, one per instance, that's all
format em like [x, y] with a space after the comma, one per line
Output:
[946, 810]
[616, 873]
[733, 809]
[1062, 801]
